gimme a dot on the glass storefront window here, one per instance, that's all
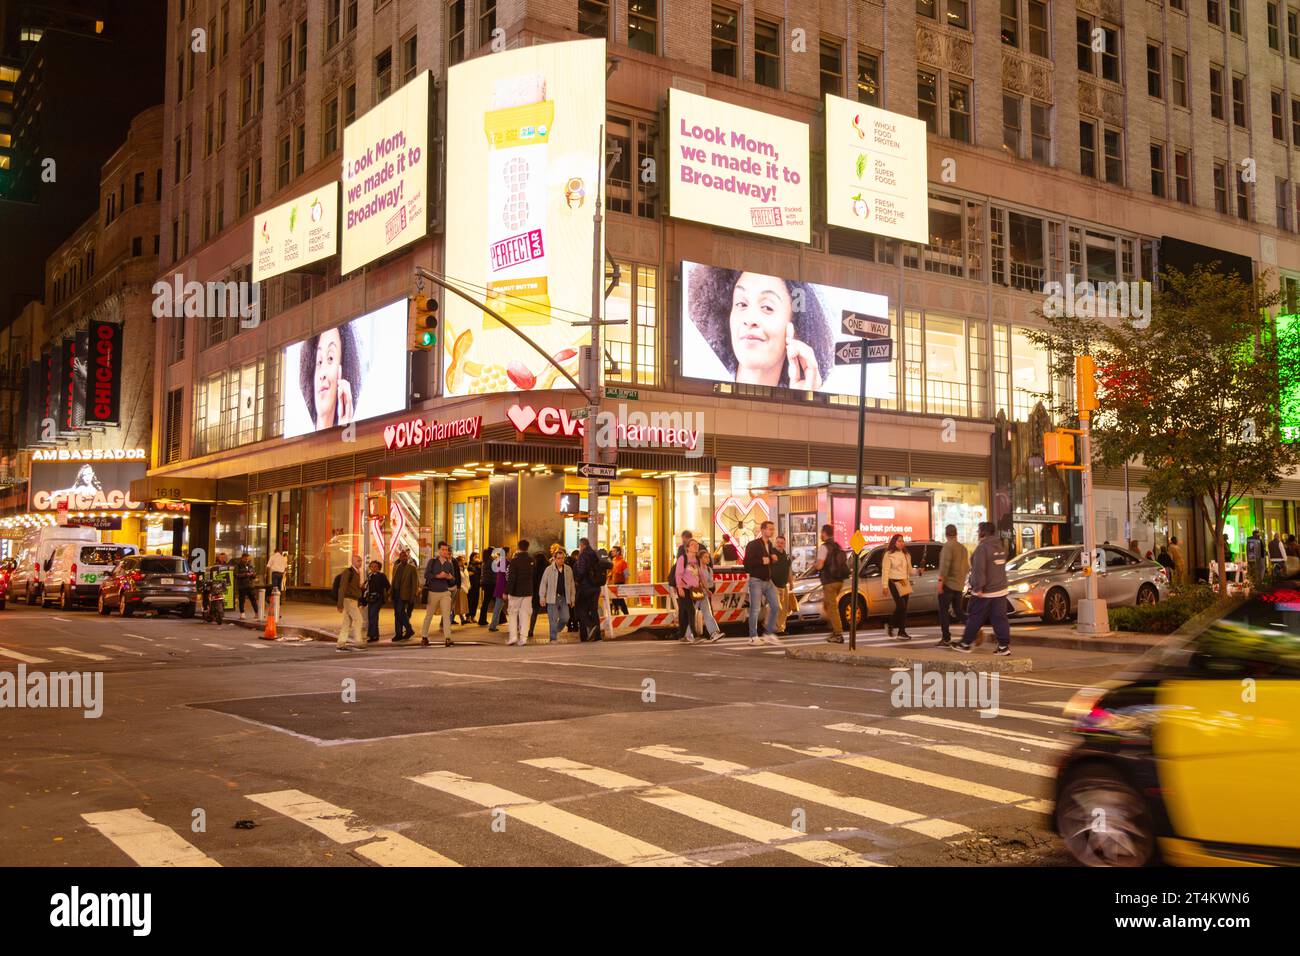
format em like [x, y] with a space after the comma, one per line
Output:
[1030, 374]
[963, 503]
[632, 353]
[945, 366]
[327, 532]
[912, 355]
[229, 531]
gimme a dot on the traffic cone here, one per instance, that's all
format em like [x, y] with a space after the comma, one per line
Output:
[269, 634]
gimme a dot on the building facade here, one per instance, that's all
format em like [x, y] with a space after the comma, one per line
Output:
[1064, 139]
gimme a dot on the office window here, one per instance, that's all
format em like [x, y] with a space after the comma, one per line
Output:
[189, 149]
[193, 61]
[286, 61]
[1293, 32]
[832, 67]
[643, 25]
[455, 32]
[1221, 187]
[350, 21]
[1275, 110]
[1011, 124]
[1104, 63]
[868, 78]
[1182, 175]
[330, 126]
[958, 14]
[185, 234]
[257, 181]
[259, 93]
[1239, 101]
[1112, 146]
[137, 190]
[1039, 35]
[225, 30]
[1214, 12]
[1087, 148]
[1282, 203]
[487, 19]
[180, 78]
[767, 53]
[384, 72]
[245, 185]
[137, 246]
[219, 201]
[349, 104]
[1216, 92]
[207, 217]
[221, 120]
[1155, 83]
[333, 22]
[248, 15]
[1040, 133]
[593, 18]
[1011, 22]
[212, 44]
[175, 408]
[1273, 16]
[158, 185]
[409, 48]
[1234, 16]
[927, 99]
[926, 8]
[1178, 77]
[1157, 169]
[299, 149]
[245, 98]
[208, 131]
[1295, 120]
[1243, 196]
[725, 41]
[283, 162]
[301, 66]
[959, 125]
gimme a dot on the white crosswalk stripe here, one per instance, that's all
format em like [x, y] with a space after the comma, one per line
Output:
[145, 840]
[706, 811]
[86, 655]
[596, 837]
[1004, 733]
[384, 847]
[122, 650]
[998, 712]
[810, 792]
[953, 750]
[21, 657]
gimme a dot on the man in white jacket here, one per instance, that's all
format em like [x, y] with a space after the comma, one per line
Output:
[557, 592]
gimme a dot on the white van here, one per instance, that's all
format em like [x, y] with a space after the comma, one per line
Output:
[76, 570]
[35, 552]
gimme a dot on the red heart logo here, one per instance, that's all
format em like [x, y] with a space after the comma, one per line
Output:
[389, 432]
[523, 416]
[741, 519]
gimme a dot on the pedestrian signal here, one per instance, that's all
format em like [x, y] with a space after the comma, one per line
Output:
[1058, 448]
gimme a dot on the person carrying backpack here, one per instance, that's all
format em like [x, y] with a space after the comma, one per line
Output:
[832, 569]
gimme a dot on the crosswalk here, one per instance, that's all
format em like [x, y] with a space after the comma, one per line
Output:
[897, 780]
[141, 646]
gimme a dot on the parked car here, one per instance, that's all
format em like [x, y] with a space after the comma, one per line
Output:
[6, 572]
[33, 557]
[873, 597]
[149, 582]
[1190, 756]
[1049, 582]
[76, 570]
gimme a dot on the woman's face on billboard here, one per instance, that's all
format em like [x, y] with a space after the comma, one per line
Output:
[761, 312]
[329, 360]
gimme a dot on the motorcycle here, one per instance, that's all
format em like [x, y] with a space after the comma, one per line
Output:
[213, 590]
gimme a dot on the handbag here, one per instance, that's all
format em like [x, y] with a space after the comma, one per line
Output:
[904, 587]
[697, 594]
[462, 602]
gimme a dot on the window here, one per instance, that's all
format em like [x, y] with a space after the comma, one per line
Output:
[1274, 27]
[487, 20]
[1011, 22]
[409, 48]
[1104, 62]
[593, 18]
[958, 12]
[868, 78]
[212, 41]
[330, 127]
[299, 149]
[1282, 208]
[350, 21]
[245, 182]
[180, 78]
[189, 149]
[219, 200]
[832, 67]
[1295, 120]
[927, 99]
[175, 407]
[333, 22]
[1239, 101]
[1293, 32]
[1214, 12]
[1157, 169]
[725, 41]
[1039, 42]
[959, 125]
[185, 234]
[1221, 187]
[632, 350]
[225, 30]
[1234, 16]
[245, 98]
[1113, 148]
[207, 217]
[193, 58]
[137, 190]
[643, 25]
[1011, 124]
[158, 185]
[349, 104]
[257, 181]
[1243, 196]
[286, 61]
[1040, 133]
[221, 121]
[283, 162]
[926, 8]
[1155, 83]
[301, 66]
[208, 131]
[455, 32]
[1275, 109]
[1087, 148]
[1178, 77]
[137, 246]
[767, 53]
[1216, 92]
[630, 142]
[384, 71]
[1183, 175]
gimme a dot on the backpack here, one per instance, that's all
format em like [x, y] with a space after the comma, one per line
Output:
[334, 588]
[837, 565]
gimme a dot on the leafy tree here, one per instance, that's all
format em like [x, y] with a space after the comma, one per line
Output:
[1193, 392]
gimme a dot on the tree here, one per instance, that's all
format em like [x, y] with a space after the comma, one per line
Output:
[1194, 392]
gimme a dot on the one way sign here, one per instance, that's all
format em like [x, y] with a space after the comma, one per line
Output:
[856, 353]
[592, 470]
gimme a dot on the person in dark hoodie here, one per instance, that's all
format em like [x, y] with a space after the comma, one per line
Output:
[539, 568]
[585, 580]
[988, 587]
[519, 591]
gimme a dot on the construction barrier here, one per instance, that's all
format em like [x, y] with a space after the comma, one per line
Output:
[655, 605]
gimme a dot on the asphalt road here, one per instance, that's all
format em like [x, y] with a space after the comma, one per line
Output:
[216, 748]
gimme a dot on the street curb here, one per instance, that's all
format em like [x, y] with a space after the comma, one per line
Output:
[868, 658]
[1109, 644]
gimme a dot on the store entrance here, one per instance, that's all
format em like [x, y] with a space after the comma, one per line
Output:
[627, 521]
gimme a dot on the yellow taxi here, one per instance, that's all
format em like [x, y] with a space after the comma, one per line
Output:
[1192, 757]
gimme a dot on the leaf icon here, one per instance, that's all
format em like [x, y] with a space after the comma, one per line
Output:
[861, 164]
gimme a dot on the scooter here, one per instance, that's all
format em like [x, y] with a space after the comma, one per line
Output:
[214, 600]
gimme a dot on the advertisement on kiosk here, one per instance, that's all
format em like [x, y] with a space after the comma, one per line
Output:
[881, 519]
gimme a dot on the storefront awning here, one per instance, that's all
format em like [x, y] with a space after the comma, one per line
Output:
[178, 488]
[532, 453]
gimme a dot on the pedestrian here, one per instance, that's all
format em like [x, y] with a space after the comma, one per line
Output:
[538, 607]
[347, 594]
[500, 565]
[954, 565]
[727, 552]
[406, 588]
[276, 566]
[690, 590]
[245, 573]
[988, 585]
[373, 597]
[1133, 546]
[487, 584]
[1256, 555]
[557, 592]
[474, 569]
[832, 567]
[1227, 550]
[705, 606]
[1277, 555]
[1292, 546]
[897, 571]
[617, 577]
[1180, 562]
[758, 563]
[1166, 560]
[519, 589]
[460, 595]
[585, 578]
[781, 579]
[439, 581]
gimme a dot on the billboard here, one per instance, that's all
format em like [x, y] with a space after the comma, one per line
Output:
[80, 368]
[758, 329]
[386, 175]
[296, 233]
[347, 374]
[523, 156]
[84, 485]
[881, 519]
[876, 171]
[104, 373]
[738, 168]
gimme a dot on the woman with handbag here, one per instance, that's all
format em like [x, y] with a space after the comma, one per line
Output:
[690, 590]
[897, 571]
[705, 604]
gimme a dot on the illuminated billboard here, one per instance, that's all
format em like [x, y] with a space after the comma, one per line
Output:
[293, 234]
[386, 175]
[738, 168]
[758, 329]
[346, 374]
[523, 153]
[876, 171]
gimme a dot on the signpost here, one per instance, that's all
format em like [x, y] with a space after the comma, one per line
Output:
[864, 325]
[864, 352]
[593, 470]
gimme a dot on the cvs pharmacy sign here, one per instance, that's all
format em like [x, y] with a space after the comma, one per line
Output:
[548, 420]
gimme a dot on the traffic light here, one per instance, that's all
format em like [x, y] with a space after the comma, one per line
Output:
[424, 322]
[1085, 384]
[1058, 448]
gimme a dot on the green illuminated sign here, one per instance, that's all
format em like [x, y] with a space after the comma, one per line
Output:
[1288, 360]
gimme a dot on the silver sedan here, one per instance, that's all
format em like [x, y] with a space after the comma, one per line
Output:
[874, 599]
[1049, 582]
